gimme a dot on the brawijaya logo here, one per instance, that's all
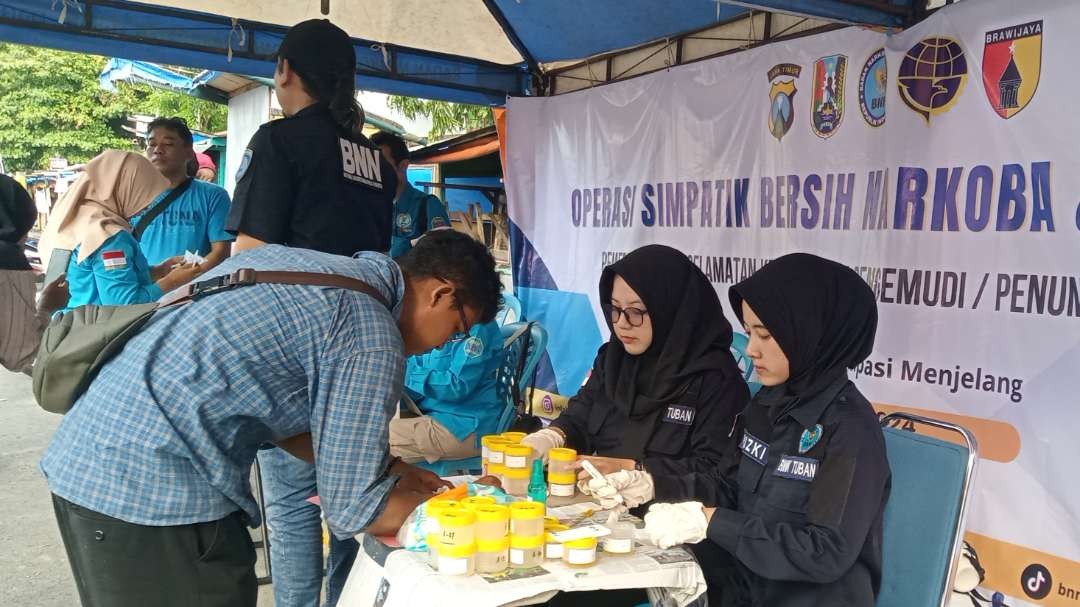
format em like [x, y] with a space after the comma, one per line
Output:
[1012, 62]
[932, 76]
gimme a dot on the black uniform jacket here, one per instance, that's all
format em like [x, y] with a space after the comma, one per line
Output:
[800, 504]
[690, 436]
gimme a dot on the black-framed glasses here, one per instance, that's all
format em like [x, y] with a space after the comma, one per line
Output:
[464, 323]
[634, 316]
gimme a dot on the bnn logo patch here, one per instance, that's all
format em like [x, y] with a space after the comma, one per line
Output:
[360, 164]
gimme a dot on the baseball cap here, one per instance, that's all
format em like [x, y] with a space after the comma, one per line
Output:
[317, 46]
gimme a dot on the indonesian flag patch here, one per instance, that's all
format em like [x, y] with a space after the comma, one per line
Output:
[114, 260]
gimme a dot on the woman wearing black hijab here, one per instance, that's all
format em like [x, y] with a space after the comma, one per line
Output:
[664, 389]
[21, 323]
[798, 514]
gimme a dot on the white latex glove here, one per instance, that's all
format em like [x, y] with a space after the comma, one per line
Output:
[673, 524]
[628, 488]
[543, 441]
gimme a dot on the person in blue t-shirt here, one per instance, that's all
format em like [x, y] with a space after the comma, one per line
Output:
[195, 220]
[91, 221]
[454, 388]
[415, 212]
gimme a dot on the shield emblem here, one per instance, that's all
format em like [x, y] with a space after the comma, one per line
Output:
[827, 105]
[781, 109]
[1012, 62]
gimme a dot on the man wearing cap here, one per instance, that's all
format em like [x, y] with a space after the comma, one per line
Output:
[415, 213]
[313, 181]
[192, 213]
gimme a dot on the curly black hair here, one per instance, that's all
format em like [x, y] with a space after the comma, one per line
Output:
[461, 261]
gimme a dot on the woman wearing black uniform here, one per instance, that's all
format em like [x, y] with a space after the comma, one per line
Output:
[798, 509]
[310, 180]
[664, 389]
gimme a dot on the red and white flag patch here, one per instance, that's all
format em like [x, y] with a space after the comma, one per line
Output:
[114, 260]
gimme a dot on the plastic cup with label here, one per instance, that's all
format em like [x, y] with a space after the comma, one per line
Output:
[580, 553]
[492, 522]
[457, 559]
[432, 530]
[526, 551]
[496, 454]
[485, 446]
[621, 540]
[516, 481]
[474, 502]
[527, 519]
[492, 556]
[457, 527]
[561, 484]
[517, 457]
[553, 549]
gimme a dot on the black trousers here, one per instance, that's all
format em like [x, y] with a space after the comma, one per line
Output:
[121, 564]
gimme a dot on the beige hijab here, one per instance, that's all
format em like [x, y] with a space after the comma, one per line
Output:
[113, 188]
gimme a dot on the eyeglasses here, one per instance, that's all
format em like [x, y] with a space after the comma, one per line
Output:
[464, 323]
[634, 316]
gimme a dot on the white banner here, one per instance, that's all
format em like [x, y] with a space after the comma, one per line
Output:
[940, 162]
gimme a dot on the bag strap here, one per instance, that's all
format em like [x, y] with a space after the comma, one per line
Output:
[158, 209]
[247, 276]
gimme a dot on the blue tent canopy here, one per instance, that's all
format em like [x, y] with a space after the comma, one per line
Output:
[470, 51]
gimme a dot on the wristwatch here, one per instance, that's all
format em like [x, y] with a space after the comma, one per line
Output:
[639, 465]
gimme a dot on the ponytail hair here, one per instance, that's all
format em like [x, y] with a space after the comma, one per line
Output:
[339, 92]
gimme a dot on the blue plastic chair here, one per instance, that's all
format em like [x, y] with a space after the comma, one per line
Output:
[931, 480]
[738, 350]
[510, 311]
[505, 381]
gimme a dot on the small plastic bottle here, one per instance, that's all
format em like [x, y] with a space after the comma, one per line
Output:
[553, 549]
[527, 519]
[621, 540]
[492, 556]
[457, 560]
[526, 551]
[580, 553]
[516, 481]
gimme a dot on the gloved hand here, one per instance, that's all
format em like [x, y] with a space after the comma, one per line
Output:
[622, 490]
[673, 524]
[543, 441]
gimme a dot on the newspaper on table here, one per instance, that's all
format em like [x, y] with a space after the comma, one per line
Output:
[406, 578]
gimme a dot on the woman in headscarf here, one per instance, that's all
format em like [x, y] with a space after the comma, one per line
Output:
[795, 516]
[21, 323]
[92, 222]
[665, 387]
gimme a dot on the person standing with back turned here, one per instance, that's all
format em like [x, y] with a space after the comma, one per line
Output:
[313, 181]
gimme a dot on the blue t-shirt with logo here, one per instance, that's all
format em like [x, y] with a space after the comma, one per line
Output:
[191, 223]
[409, 218]
[115, 275]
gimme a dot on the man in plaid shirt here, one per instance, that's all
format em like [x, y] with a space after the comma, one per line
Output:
[149, 470]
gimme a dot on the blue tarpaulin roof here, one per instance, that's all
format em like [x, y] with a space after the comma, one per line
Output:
[472, 51]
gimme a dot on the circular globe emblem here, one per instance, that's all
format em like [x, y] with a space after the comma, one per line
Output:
[932, 76]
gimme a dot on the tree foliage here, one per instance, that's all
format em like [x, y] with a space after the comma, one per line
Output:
[446, 118]
[51, 105]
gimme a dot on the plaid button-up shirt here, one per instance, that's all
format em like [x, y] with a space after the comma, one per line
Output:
[167, 432]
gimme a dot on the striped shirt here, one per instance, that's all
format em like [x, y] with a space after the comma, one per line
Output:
[167, 432]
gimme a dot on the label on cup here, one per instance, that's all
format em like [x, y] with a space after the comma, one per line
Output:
[580, 556]
[516, 461]
[495, 457]
[453, 566]
[618, 546]
[562, 490]
[517, 556]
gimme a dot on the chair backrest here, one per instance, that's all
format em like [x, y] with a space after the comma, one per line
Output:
[509, 311]
[508, 378]
[746, 366]
[931, 479]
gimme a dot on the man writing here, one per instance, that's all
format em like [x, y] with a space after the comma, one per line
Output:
[192, 221]
[149, 470]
